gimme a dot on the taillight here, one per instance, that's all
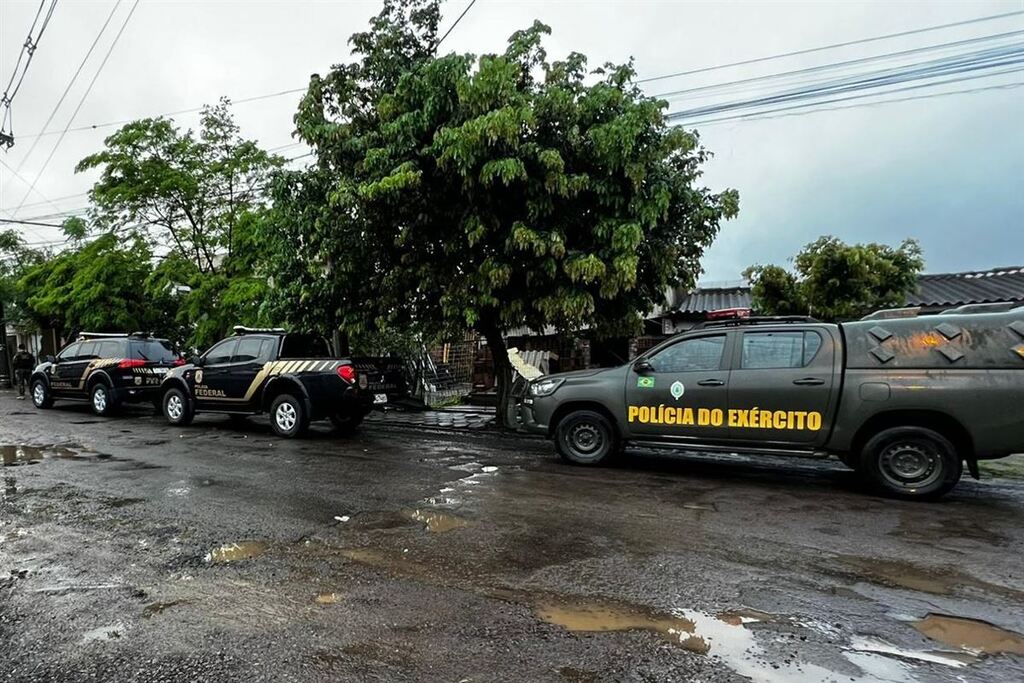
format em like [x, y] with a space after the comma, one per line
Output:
[347, 373]
[132, 363]
[178, 361]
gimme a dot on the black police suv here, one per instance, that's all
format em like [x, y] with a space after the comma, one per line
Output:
[106, 370]
[292, 377]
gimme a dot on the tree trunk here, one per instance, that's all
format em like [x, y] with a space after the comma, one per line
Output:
[502, 375]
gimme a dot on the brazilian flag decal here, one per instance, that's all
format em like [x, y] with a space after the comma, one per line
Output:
[645, 382]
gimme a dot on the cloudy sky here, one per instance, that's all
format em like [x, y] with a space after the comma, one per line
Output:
[948, 171]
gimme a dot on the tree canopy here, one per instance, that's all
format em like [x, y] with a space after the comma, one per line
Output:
[832, 280]
[453, 192]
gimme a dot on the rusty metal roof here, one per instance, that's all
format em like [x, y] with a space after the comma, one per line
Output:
[975, 287]
[940, 289]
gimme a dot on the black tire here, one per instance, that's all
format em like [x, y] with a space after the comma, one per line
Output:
[347, 424]
[102, 400]
[178, 410]
[585, 437]
[41, 396]
[911, 463]
[288, 416]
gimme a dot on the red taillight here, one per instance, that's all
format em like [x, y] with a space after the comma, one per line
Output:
[347, 373]
[178, 361]
[132, 363]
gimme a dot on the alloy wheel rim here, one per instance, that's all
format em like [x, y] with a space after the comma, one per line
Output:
[285, 416]
[39, 394]
[99, 399]
[174, 407]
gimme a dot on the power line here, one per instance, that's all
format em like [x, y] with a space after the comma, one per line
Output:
[27, 48]
[80, 103]
[17, 222]
[190, 110]
[968, 91]
[452, 27]
[838, 65]
[67, 89]
[974, 62]
[859, 41]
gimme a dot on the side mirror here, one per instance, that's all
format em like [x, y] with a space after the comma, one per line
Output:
[643, 365]
[49, 359]
[196, 361]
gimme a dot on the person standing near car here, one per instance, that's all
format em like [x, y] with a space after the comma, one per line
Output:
[24, 362]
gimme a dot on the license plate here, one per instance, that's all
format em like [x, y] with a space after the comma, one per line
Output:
[159, 371]
[380, 398]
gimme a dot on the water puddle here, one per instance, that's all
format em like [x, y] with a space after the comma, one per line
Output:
[744, 615]
[972, 635]
[874, 645]
[327, 598]
[436, 521]
[598, 616]
[944, 581]
[104, 633]
[12, 455]
[155, 608]
[234, 552]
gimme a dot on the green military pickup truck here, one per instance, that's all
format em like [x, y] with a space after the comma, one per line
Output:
[904, 401]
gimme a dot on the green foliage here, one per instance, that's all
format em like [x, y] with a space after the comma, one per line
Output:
[15, 260]
[94, 288]
[491, 192]
[197, 199]
[837, 281]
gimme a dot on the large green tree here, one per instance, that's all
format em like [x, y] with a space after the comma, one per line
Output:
[451, 191]
[195, 197]
[832, 280]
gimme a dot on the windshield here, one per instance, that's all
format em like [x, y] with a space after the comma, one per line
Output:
[155, 350]
[305, 346]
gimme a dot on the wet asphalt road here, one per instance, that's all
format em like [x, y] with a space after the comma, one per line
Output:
[130, 550]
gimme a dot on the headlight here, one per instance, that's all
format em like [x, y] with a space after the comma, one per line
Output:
[545, 387]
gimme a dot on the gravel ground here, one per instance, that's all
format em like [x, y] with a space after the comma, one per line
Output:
[134, 551]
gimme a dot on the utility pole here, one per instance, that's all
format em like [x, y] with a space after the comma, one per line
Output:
[5, 354]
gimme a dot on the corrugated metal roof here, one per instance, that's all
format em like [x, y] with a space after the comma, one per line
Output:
[703, 300]
[976, 287]
[939, 289]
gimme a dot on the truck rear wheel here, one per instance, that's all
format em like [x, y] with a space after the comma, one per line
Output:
[101, 398]
[586, 437]
[911, 462]
[288, 416]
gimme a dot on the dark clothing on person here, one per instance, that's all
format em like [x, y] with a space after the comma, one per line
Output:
[23, 364]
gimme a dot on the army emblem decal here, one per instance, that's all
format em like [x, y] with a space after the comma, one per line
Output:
[677, 389]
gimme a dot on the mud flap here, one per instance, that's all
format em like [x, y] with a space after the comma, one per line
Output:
[972, 467]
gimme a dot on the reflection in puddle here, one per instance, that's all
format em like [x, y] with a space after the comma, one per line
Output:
[720, 636]
[20, 454]
[436, 521]
[954, 659]
[971, 634]
[898, 574]
[233, 552]
[327, 598]
[608, 616]
[738, 617]
[103, 633]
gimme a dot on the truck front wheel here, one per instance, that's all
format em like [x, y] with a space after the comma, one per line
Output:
[586, 437]
[911, 462]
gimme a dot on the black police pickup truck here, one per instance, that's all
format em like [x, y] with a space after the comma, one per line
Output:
[293, 377]
[106, 370]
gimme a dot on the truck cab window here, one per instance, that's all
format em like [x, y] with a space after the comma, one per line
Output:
[764, 350]
[221, 353]
[702, 353]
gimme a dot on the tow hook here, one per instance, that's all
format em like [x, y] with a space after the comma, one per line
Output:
[972, 467]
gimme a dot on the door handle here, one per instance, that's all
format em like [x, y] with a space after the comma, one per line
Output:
[711, 383]
[809, 382]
